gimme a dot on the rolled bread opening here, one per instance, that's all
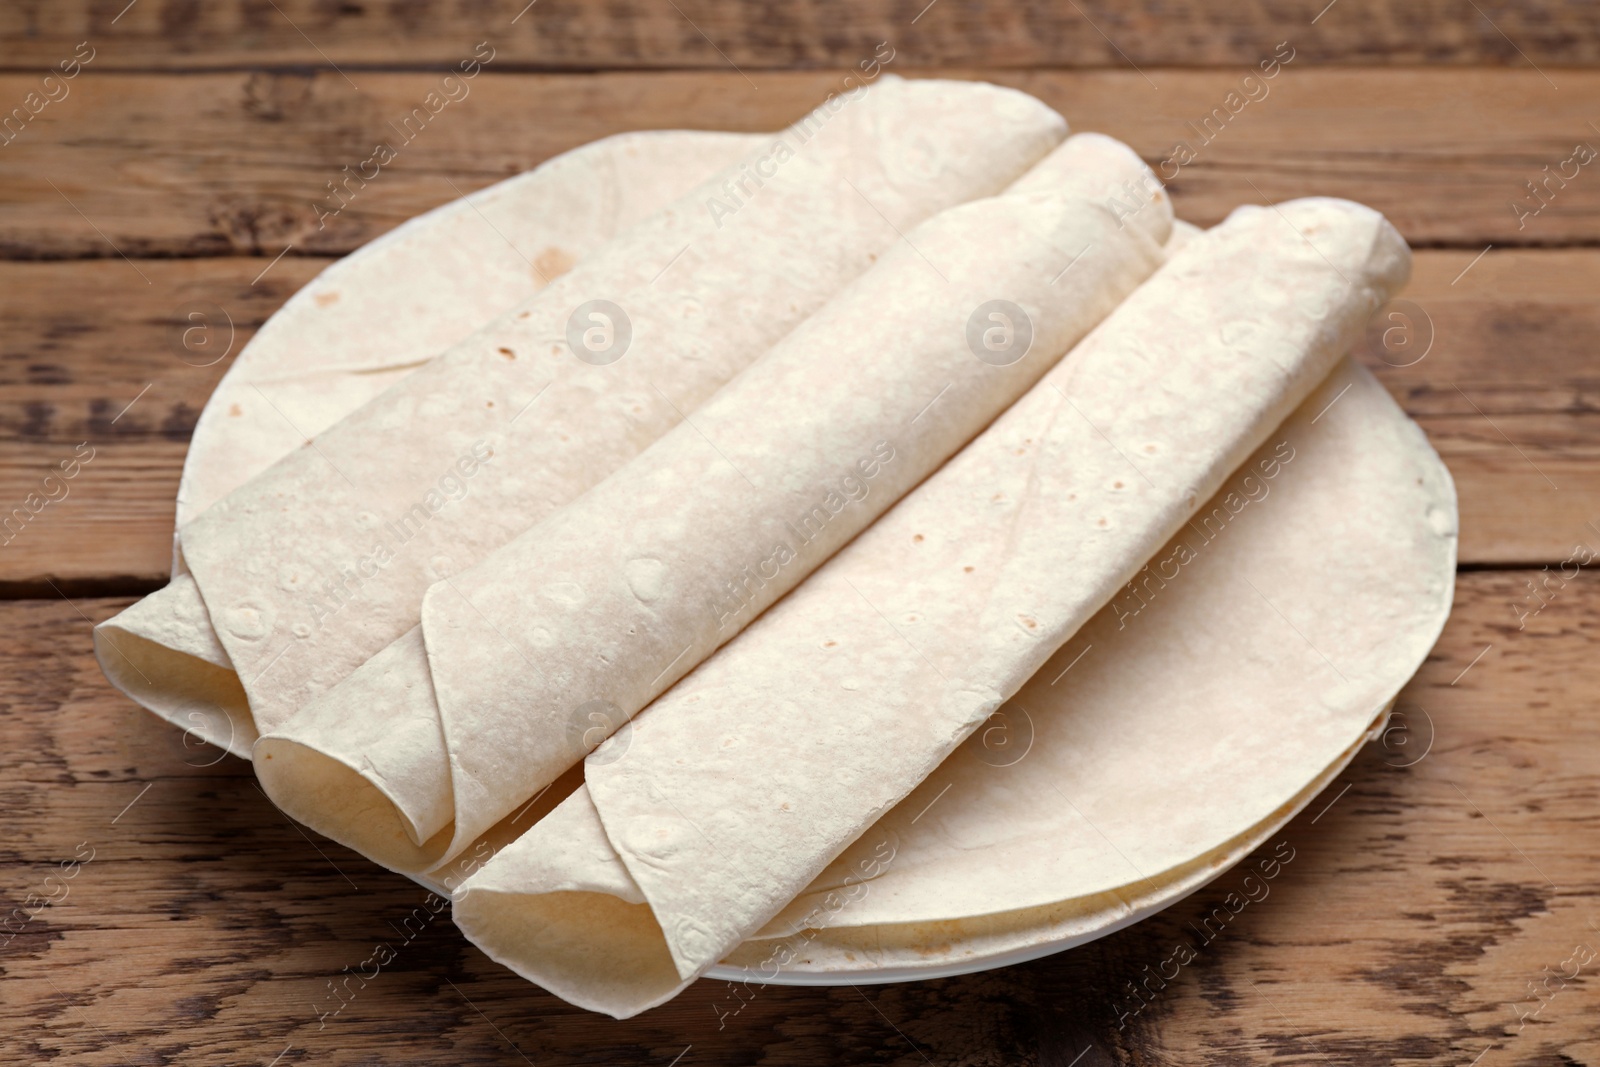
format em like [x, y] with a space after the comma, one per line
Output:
[201, 698]
[562, 941]
[328, 792]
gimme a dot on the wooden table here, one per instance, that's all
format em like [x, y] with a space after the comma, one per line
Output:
[1441, 910]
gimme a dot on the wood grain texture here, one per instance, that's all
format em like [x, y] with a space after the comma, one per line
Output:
[573, 35]
[1507, 388]
[1432, 913]
[241, 163]
[1504, 382]
[91, 354]
[1419, 904]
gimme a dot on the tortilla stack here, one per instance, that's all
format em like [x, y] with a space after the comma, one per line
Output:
[320, 562]
[526, 661]
[739, 786]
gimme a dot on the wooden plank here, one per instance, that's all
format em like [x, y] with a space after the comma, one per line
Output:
[1506, 390]
[571, 35]
[226, 163]
[80, 340]
[1414, 914]
[90, 355]
[1428, 902]
[1503, 382]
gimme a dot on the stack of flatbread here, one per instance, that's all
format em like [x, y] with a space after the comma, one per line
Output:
[887, 543]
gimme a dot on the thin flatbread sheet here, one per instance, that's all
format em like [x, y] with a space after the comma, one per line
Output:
[379, 313]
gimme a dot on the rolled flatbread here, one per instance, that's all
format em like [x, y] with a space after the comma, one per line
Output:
[363, 323]
[321, 561]
[738, 786]
[534, 655]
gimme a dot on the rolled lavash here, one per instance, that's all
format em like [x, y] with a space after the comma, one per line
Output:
[364, 322]
[738, 786]
[307, 571]
[529, 659]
